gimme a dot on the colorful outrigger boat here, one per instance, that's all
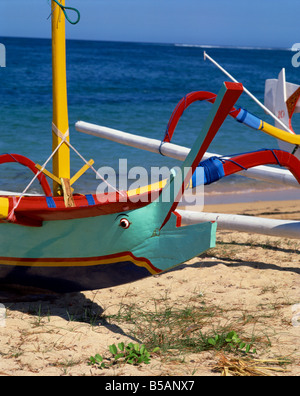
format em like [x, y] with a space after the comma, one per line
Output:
[63, 241]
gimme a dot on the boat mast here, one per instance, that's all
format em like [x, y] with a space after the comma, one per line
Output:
[60, 126]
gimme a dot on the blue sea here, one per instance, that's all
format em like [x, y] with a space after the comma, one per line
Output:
[133, 87]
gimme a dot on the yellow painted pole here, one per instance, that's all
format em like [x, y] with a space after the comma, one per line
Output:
[61, 160]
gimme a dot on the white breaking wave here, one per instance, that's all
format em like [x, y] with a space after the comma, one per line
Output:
[231, 47]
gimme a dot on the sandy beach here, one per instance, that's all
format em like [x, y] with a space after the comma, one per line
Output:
[249, 284]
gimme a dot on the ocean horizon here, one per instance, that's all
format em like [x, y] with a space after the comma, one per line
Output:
[196, 45]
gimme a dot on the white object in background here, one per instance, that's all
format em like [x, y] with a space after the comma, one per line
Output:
[282, 98]
[2, 315]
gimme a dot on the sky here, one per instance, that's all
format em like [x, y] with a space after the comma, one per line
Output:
[254, 23]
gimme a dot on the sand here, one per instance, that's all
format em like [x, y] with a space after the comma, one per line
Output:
[252, 281]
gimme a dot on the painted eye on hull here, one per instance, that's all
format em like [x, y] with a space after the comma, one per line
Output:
[124, 223]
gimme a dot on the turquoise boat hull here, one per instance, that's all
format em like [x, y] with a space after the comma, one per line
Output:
[95, 253]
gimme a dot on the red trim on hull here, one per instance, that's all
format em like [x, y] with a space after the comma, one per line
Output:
[78, 261]
[32, 211]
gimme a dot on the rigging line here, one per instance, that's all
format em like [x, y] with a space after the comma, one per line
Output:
[11, 213]
[236, 163]
[51, 12]
[33, 179]
[295, 149]
[64, 140]
[275, 156]
[64, 8]
[97, 173]
[206, 56]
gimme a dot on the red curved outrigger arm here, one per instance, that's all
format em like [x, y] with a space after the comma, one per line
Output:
[216, 167]
[20, 159]
[242, 161]
[184, 104]
[263, 157]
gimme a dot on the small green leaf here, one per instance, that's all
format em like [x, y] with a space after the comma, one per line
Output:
[98, 358]
[129, 347]
[142, 349]
[121, 346]
[242, 345]
[119, 355]
[113, 349]
[92, 360]
[230, 335]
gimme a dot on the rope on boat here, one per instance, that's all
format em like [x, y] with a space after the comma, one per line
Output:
[64, 8]
[84, 160]
[63, 137]
[11, 214]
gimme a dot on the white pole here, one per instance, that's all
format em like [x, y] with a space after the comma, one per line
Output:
[129, 139]
[257, 225]
[248, 93]
[171, 150]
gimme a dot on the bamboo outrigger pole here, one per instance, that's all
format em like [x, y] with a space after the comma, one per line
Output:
[60, 126]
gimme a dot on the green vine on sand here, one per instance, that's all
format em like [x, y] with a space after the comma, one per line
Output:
[134, 354]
